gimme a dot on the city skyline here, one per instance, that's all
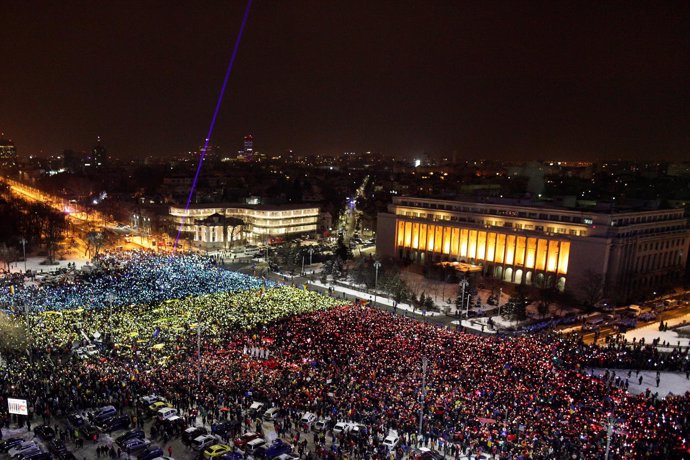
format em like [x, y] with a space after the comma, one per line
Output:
[502, 81]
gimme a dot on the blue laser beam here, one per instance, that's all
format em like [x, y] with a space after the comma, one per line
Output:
[213, 120]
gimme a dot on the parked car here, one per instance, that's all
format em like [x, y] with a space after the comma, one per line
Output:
[150, 399]
[193, 432]
[391, 441]
[131, 434]
[202, 442]
[135, 444]
[158, 405]
[271, 414]
[23, 448]
[57, 446]
[358, 430]
[103, 413]
[244, 439]
[88, 431]
[44, 432]
[321, 424]
[224, 428]
[424, 453]
[166, 412]
[75, 421]
[118, 422]
[9, 443]
[307, 419]
[38, 455]
[231, 456]
[278, 447]
[252, 446]
[216, 450]
[341, 428]
[256, 408]
[150, 453]
[175, 422]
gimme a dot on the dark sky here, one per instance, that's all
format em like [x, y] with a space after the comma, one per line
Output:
[503, 80]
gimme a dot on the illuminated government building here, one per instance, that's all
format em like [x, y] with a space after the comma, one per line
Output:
[632, 253]
[217, 226]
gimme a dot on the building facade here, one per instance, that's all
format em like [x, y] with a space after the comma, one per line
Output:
[8, 154]
[627, 253]
[250, 223]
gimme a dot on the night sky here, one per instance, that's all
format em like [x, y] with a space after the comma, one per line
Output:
[499, 80]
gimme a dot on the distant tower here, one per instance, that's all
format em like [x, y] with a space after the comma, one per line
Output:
[248, 147]
[8, 153]
[98, 155]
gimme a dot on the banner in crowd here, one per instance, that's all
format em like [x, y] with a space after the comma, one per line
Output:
[17, 406]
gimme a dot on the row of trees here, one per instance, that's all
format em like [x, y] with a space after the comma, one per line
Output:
[37, 224]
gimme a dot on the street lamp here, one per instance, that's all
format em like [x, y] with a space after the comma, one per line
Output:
[500, 293]
[377, 265]
[311, 253]
[23, 242]
[464, 283]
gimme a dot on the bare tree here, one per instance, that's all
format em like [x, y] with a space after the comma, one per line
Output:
[593, 287]
[8, 254]
[95, 240]
[234, 223]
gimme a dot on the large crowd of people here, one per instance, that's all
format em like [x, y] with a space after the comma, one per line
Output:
[127, 278]
[525, 397]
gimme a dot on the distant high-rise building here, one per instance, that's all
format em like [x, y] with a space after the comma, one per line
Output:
[248, 147]
[8, 153]
[98, 158]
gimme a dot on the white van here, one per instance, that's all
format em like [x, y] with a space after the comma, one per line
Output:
[166, 412]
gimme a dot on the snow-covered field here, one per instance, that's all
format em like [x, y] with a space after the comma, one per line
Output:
[652, 332]
[671, 382]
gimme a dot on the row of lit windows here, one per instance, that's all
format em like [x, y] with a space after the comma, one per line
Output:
[279, 222]
[283, 230]
[538, 253]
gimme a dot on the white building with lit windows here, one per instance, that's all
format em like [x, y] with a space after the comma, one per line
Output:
[216, 226]
[630, 252]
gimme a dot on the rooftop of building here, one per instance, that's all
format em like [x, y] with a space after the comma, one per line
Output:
[566, 203]
[258, 207]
